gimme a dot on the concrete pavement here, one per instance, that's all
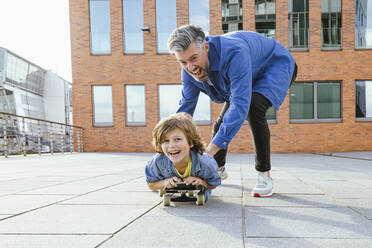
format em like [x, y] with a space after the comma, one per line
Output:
[102, 200]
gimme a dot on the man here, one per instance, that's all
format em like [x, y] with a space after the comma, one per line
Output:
[245, 70]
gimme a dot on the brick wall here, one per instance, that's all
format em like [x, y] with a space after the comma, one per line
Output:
[151, 69]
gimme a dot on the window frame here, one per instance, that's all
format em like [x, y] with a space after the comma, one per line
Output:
[156, 28]
[102, 124]
[361, 119]
[90, 32]
[335, 46]
[315, 102]
[134, 123]
[124, 36]
[197, 122]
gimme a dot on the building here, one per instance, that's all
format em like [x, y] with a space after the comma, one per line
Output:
[28, 90]
[125, 81]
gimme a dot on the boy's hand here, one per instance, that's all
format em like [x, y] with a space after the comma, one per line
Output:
[171, 182]
[194, 181]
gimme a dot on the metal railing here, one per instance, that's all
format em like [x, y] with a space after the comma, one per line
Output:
[20, 135]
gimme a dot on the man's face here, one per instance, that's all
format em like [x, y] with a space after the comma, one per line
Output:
[195, 61]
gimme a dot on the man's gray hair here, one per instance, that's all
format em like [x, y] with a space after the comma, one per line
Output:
[181, 38]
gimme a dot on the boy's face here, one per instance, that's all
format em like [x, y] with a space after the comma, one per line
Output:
[176, 147]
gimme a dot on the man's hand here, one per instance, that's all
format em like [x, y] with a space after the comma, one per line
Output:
[194, 181]
[171, 182]
[212, 149]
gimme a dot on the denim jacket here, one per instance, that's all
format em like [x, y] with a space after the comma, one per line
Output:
[203, 166]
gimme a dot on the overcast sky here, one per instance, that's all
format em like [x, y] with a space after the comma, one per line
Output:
[39, 31]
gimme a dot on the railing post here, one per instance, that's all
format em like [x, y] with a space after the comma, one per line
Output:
[82, 140]
[5, 136]
[71, 139]
[51, 139]
[24, 137]
[78, 139]
[38, 138]
[63, 140]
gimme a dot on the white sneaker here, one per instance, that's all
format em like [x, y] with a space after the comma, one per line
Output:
[264, 185]
[222, 172]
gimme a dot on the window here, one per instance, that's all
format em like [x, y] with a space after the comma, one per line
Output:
[363, 24]
[133, 22]
[331, 24]
[2, 57]
[232, 15]
[166, 22]
[102, 106]
[363, 100]
[265, 17]
[136, 105]
[315, 102]
[298, 24]
[199, 14]
[169, 98]
[100, 42]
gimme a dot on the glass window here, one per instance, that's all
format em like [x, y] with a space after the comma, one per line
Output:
[170, 96]
[363, 100]
[232, 15]
[166, 22]
[298, 24]
[271, 114]
[102, 106]
[328, 100]
[302, 101]
[265, 17]
[363, 24]
[136, 105]
[100, 42]
[331, 24]
[315, 102]
[133, 22]
[199, 14]
[2, 59]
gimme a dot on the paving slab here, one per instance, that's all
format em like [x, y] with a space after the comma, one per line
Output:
[51, 241]
[116, 198]
[73, 219]
[291, 200]
[175, 231]
[15, 204]
[307, 242]
[285, 222]
[215, 207]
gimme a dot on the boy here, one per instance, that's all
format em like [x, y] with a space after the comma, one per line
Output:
[180, 156]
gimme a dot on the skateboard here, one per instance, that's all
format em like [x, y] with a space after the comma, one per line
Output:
[183, 193]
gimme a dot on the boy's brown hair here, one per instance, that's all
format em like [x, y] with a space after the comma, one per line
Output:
[182, 121]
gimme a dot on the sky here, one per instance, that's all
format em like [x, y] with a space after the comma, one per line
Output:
[38, 31]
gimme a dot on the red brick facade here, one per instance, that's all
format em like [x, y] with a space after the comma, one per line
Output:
[151, 69]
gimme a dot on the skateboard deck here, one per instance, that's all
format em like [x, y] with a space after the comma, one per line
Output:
[184, 193]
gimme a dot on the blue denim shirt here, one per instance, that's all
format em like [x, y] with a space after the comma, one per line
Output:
[240, 63]
[203, 166]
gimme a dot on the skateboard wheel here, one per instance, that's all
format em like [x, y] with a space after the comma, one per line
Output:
[166, 200]
[161, 192]
[191, 193]
[200, 199]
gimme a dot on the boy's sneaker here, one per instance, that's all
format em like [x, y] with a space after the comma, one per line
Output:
[264, 186]
[222, 172]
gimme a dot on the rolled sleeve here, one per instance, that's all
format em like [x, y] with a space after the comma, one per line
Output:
[152, 172]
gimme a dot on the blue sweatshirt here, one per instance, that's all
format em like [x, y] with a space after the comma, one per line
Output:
[240, 63]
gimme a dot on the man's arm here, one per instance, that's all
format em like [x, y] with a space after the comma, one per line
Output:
[190, 95]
